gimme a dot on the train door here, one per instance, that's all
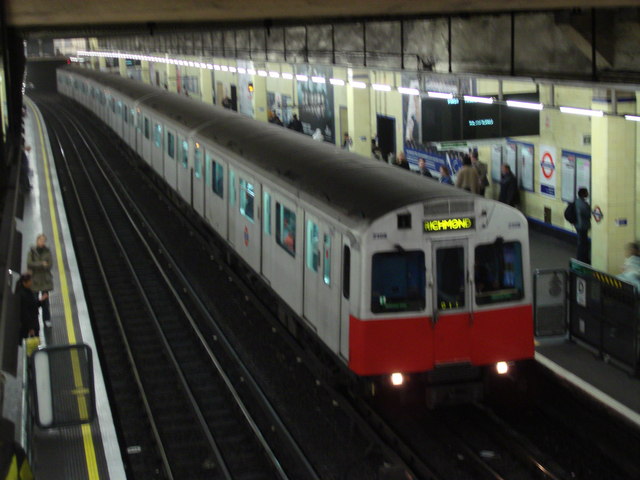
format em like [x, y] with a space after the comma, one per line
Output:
[452, 315]
[231, 214]
[184, 170]
[198, 178]
[157, 152]
[146, 138]
[321, 305]
[247, 234]
[216, 207]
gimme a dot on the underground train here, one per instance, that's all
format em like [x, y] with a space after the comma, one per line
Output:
[399, 276]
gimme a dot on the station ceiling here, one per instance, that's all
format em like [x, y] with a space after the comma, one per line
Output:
[58, 14]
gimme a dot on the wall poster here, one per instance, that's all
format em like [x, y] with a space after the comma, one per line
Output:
[568, 176]
[496, 162]
[525, 164]
[511, 157]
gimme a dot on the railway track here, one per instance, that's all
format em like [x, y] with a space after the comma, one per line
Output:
[199, 425]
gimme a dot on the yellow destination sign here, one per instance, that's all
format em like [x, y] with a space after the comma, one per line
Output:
[447, 224]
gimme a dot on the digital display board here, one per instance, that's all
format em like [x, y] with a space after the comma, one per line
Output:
[456, 119]
[448, 224]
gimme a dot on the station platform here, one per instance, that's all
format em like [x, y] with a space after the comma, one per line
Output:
[89, 451]
[576, 363]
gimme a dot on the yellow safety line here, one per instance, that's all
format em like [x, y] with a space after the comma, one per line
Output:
[87, 436]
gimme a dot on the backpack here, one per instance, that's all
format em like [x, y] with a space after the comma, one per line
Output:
[570, 214]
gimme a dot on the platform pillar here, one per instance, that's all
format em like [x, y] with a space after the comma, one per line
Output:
[260, 97]
[359, 113]
[206, 85]
[613, 185]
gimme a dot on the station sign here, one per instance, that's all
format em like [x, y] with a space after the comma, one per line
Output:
[448, 224]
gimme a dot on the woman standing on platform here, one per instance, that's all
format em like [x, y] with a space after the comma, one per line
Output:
[39, 263]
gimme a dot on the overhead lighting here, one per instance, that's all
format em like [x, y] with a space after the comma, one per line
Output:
[317, 79]
[274, 74]
[287, 76]
[251, 71]
[210, 66]
[355, 84]
[232, 69]
[242, 70]
[582, 111]
[336, 81]
[473, 99]
[529, 105]
[446, 96]
[408, 91]
[302, 78]
[381, 87]
[224, 68]
[216, 67]
[633, 118]
[262, 73]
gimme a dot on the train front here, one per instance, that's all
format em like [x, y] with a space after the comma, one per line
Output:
[445, 297]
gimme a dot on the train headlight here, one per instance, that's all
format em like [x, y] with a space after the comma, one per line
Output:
[502, 368]
[397, 379]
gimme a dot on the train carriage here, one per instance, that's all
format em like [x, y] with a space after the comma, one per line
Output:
[395, 273]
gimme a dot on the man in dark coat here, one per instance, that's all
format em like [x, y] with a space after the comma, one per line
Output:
[295, 124]
[508, 186]
[29, 305]
[583, 224]
[39, 264]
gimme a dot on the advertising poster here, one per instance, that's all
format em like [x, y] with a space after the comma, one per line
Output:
[280, 105]
[583, 172]
[548, 171]
[496, 162]
[315, 102]
[511, 157]
[525, 153]
[568, 176]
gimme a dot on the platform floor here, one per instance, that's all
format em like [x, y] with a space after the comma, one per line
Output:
[90, 451]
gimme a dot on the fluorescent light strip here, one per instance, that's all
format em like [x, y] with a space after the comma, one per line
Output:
[210, 66]
[242, 70]
[251, 71]
[355, 84]
[473, 99]
[274, 74]
[633, 118]
[336, 81]
[224, 68]
[232, 69]
[317, 79]
[440, 95]
[216, 67]
[582, 111]
[529, 105]
[302, 78]
[287, 76]
[381, 87]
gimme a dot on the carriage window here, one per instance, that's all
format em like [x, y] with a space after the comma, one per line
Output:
[267, 213]
[171, 145]
[125, 114]
[146, 127]
[247, 195]
[286, 229]
[397, 281]
[217, 181]
[197, 161]
[313, 251]
[346, 272]
[498, 272]
[157, 135]
[327, 260]
[185, 154]
[118, 108]
[450, 277]
[232, 187]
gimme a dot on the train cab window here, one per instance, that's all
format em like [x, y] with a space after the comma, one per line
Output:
[313, 249]
[232, 187]
[286, 229]
[326, 271]
[157, 135]
[217, 179]
[197, 161]
[185, 154]
[398, 281]
[247, 196]
[171, 145]
[146, 127]
[498, 272]
[450, 278]
[266, 205]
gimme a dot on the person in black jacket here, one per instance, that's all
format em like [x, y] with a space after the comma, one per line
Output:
[508, 187]
[29, 305]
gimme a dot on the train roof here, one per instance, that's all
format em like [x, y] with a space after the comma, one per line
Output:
[360, 187]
